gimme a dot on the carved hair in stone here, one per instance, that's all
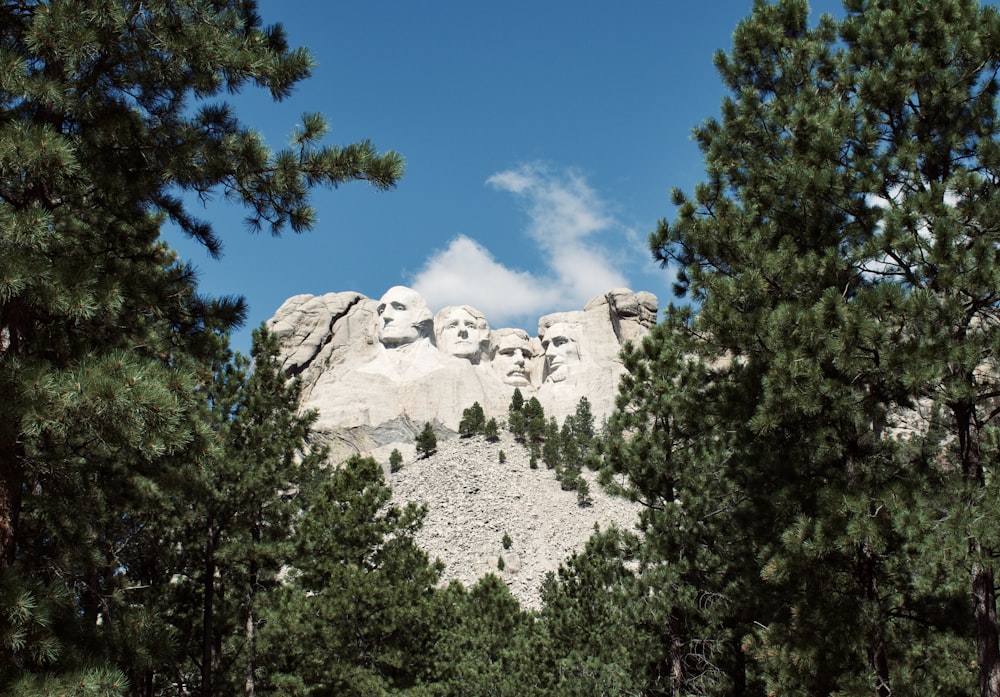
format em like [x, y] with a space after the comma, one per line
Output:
[403, 317]
[562, 351]
[511, 353]
[462, 331]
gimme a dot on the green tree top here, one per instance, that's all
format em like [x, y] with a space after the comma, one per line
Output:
[842, 251]
[473, 421]
[112, 119]
[108, 117]
[426, 441]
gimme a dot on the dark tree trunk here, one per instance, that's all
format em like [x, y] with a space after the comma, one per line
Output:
[983, 586]
[987, 649]
[251, 616]
[878, 660]
[867, 577]
[209, 590]
[11, 483]
[676, 657]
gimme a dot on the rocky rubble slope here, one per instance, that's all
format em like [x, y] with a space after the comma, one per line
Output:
[473, 500]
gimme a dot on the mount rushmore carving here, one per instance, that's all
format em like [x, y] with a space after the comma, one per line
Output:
[376, 370]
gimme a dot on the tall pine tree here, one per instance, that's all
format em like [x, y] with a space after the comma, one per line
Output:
[842, 256]
[109, 115]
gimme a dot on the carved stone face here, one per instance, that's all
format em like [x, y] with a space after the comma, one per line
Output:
[511, 360]
[562, 353]
[403, 317]
[460, 333]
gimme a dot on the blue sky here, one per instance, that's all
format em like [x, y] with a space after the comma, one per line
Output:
[542, 139]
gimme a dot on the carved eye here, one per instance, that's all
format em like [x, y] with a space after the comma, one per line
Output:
[380, 309]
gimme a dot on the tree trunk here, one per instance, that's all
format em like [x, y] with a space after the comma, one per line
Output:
[251, 617]
[209, 590]
[867, 577]
[676, 657]
[878, 660]
[11, 476]
[983, 586]
[987, 649]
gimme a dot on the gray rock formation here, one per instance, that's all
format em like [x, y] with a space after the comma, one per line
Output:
[473, 500]
[377, 370]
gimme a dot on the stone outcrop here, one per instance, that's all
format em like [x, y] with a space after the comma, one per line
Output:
[377, 370]
[473, 500]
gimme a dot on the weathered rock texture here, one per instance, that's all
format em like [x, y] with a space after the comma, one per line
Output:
[473, 500]
[377, 370]
[373, 392]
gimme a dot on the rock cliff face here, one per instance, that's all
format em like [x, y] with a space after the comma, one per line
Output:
[377, 370]
[473, 500]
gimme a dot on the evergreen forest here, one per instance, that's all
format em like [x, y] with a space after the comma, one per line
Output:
[812, 429]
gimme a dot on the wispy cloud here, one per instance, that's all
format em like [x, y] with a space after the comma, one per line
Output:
[565, 219]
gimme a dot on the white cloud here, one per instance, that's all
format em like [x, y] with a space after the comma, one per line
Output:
[565, 215]
[465, 273]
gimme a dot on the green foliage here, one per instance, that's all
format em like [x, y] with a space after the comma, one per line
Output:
[426, 441]
[356, 614]
[583, 421]
[491, 431]
[112, 119]
[473, 421]
[395, 460]
[516, 400]
[93, 682]
[502, 457]
[583, 497]
[576, 448]
[225, 554]
[487, 642]
[841, 256]
[620, 651]
[506, 541]
[551, 450]
[501, 564]
[516, 420]
[534, 420]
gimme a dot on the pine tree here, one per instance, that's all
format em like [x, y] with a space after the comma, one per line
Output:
[395, 460]
[534, 420]
[485, 646]
[516, 420]
[551, 450]
[583, 421]
[356, 614]
[491, 431]
[664, 446]
[248, 504]
[516, 400]
[426, 441]
[111, 115]
[473, 421]
[597, 588]
[841, 253]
